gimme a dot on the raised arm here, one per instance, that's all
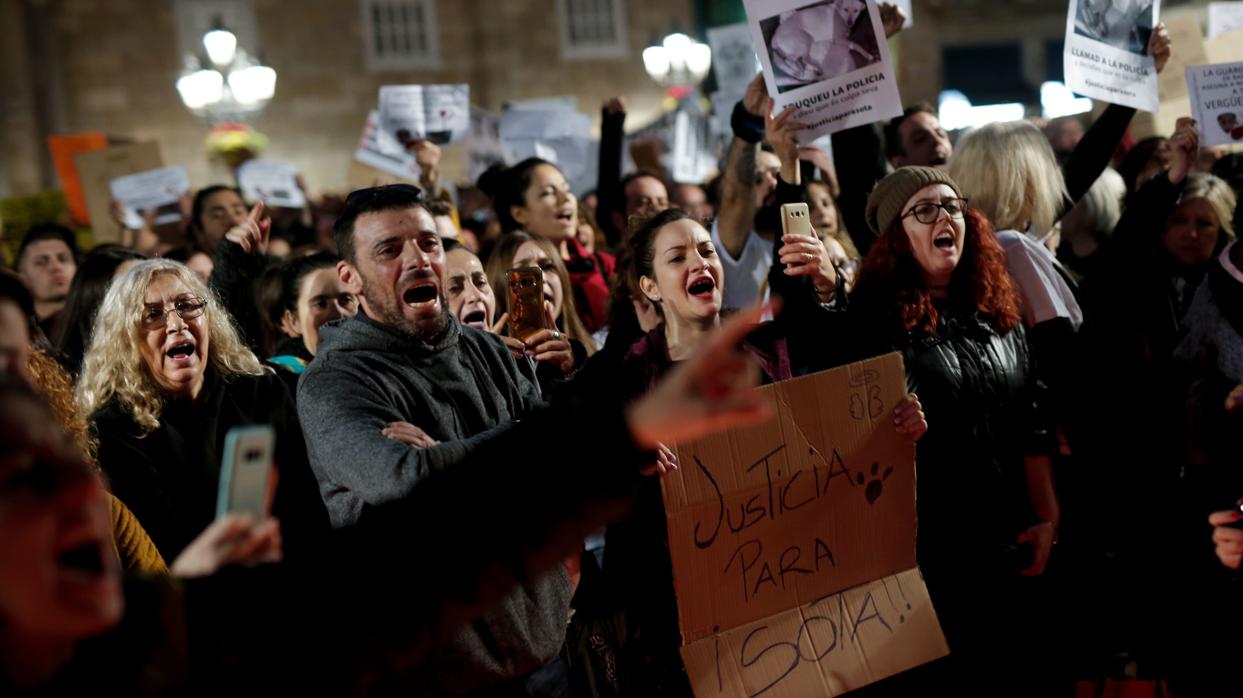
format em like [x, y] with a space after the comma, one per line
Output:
[608, 181]
[737, 213]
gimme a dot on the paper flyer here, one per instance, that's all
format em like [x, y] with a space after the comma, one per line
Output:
[1106, 51]
[154, 189]
[1224, 17]
[378, 149]
[273, 182]
[439, 113]
[560, 136]
[829, 59]
[1217, 102]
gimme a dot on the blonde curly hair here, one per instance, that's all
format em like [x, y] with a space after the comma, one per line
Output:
[113, 369]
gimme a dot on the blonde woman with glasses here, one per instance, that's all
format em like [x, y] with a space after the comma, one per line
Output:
[164, 378]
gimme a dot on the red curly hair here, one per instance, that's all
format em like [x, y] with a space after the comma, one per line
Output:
[981, 281]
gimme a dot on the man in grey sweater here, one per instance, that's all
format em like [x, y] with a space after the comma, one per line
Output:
[402, 390]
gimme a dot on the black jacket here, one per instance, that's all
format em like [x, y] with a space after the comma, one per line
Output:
[170, 477]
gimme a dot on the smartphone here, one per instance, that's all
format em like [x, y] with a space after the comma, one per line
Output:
[526, 302]
[245, 471]
[795, 220]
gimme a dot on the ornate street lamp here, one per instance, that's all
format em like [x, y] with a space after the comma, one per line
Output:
[230, 85]
[678, 63]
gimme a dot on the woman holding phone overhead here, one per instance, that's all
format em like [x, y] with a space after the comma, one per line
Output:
[164, 379]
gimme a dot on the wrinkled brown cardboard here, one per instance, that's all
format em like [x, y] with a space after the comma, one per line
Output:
[793, 543]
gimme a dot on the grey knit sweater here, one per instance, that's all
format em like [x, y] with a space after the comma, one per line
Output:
[460, 389]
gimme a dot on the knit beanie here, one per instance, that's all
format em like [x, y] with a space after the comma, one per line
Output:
[891, 193]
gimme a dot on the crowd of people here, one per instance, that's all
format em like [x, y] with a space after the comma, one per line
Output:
[460, 511]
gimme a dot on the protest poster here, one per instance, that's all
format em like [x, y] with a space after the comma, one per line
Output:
[273, 182]
[733, 58]
[484, 144]
[381, 151]
[691, 158]
[828, 59]
[1106, 51]
[1224, 17]
[63, 149]
[793, 543]
[560, 136]
[1217, 102]
[97, 169]
[159, 190]
[439, 113]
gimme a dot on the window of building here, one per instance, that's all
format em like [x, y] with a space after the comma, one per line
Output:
[593, 28]
[401, 34]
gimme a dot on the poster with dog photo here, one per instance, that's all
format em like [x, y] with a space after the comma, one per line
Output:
[1106, 55]
[829, 59]
[1216, 93]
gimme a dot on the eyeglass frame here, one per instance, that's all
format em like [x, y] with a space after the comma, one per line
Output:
[152, 323]
[940, 206]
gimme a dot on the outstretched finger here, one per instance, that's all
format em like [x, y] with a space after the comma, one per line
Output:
[256, 212]
[500, 324]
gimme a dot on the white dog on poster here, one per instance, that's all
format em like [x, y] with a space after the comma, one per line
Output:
[814, 43]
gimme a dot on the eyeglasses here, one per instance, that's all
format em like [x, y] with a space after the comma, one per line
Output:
[155, 316]
[360, 197]
[927, 212]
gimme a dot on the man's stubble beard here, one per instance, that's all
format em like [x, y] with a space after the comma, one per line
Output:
[426, 331]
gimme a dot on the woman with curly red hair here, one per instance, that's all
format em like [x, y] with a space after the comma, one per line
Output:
[935, 287]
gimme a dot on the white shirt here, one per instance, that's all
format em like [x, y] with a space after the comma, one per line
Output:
[745, 275]
[1045, 294]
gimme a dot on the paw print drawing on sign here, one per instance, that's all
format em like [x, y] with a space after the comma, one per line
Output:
[866, 402]
[875, 484]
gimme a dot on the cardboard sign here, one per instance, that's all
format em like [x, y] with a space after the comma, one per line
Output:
[793, 543]
[829, 59]
[439, 113]
[691, 159]
[63, 149]
[1186, 36]
[1106, 51]
[1217, 102]
[273, 182]
[381, 151]
[97, 169]
[1224, 17]
[158, 190]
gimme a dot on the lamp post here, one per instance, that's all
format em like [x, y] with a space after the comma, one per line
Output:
[678, 63]
[229, 85]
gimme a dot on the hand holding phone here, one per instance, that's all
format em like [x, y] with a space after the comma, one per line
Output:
[246, 471]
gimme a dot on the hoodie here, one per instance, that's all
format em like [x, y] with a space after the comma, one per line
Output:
[462, 389]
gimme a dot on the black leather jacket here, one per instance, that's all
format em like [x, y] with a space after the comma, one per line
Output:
[979, 391]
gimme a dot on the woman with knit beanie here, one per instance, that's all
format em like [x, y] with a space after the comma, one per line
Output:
[935, 287]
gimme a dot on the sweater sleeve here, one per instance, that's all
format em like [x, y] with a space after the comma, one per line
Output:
[135, 548]
[612, 135]
[506, 514]
[1093, 153]
[342, 417]
[233, 277]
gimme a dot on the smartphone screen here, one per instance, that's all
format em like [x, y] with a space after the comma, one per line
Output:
[245, 470]
[526, 302]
